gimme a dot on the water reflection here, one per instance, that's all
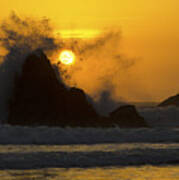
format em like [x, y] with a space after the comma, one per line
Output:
[110, 173]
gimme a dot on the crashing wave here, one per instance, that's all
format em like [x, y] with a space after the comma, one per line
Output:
[59, 136]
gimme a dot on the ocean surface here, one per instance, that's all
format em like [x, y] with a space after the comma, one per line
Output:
[88, 153]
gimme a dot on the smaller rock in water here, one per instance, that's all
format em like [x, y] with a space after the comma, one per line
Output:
[127, 117]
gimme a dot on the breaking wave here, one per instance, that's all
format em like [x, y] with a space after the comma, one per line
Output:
[59, 136]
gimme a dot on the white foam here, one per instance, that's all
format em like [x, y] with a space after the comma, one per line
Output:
[45, 135]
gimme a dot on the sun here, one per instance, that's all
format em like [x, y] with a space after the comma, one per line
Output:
[67, 57]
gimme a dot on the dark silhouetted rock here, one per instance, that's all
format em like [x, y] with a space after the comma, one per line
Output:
[39, 98]
[127, 117]
[171, 101]
[79, 107]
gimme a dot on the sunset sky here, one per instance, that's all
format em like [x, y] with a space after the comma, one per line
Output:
[149, 30]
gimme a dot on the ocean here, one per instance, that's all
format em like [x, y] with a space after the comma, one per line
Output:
[88, 153]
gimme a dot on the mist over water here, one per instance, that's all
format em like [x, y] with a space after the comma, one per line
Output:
[100, 67]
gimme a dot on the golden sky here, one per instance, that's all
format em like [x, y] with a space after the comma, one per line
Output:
[150, 32]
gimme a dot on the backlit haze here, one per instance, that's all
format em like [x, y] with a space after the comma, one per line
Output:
[129, 48]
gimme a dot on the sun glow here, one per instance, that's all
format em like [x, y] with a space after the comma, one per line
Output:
[78, 33]
[67, 57]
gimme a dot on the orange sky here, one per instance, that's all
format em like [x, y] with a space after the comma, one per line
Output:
[150, 32]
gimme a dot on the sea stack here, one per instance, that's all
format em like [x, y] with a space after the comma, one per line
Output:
[40, 98]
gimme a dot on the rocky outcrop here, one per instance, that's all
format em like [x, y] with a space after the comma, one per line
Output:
[39, 98]
[127, 117]
[171, 101]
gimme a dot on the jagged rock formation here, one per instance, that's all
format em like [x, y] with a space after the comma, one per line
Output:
[127, 117]
[40, 98]
[171, 101]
